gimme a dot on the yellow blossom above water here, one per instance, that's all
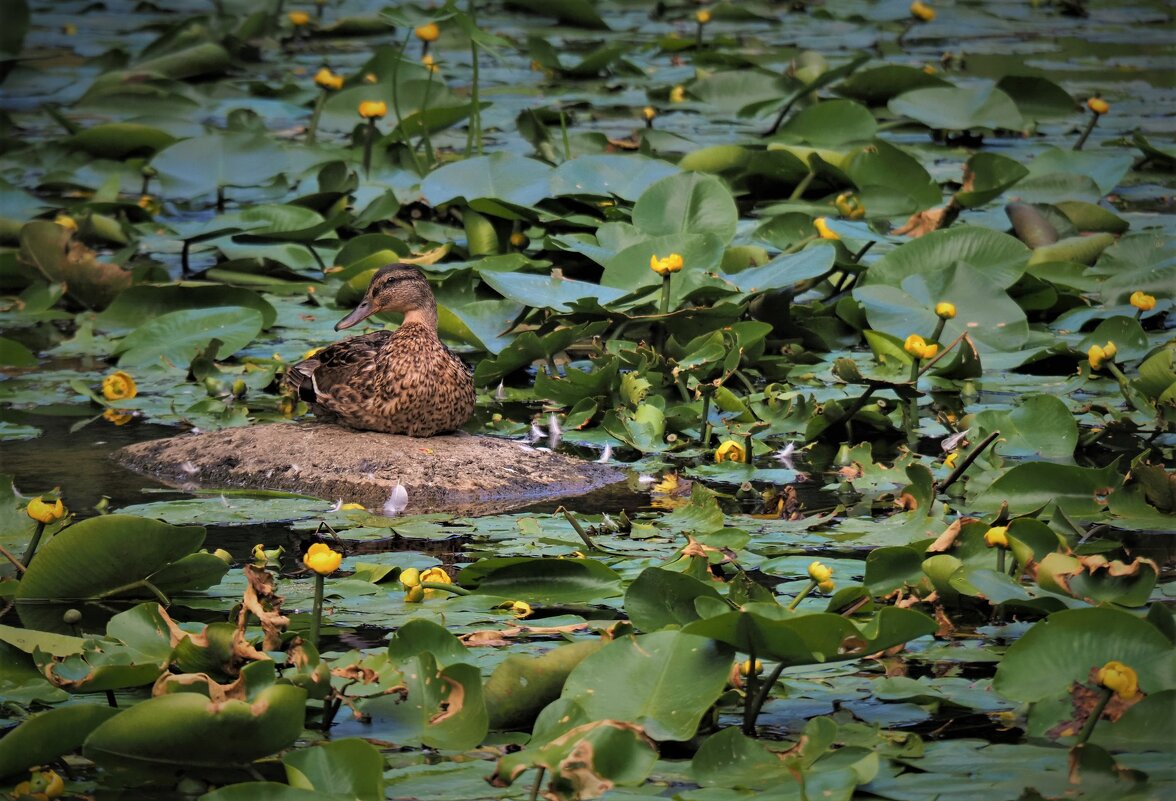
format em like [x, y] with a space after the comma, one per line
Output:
[42, 785]
[823, 229]
[45, 511]
[1098, 105]
[1120, 678]
[703, 16]
[850, 206]
[819, 572]
[649, 112]
[1143, 301]
[945, 310]
[1098, 355]
[428, 32]
[119, 386]
[670, 264]
[65, 221]
[997, 537]
[918, 347]
[328, 80]
[321, 559]
[730, 451]
[298, 18]
[828, 585]
[745, 667]
[678, 94]
[429, 63]
[922, 12]
[373, 109]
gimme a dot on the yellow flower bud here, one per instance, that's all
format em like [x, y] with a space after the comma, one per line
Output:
[649, 112]
[410, 577]
[42, 785]
[819, 572]
[223, 555]
[1143, 301]
[828, 585]
[922, 12]
[65, 221]
[678, 94]
[119, 386]
[703, 16]
[518, 608]
[916, 346]
[321, 559]
[429, 63]
[328, 80]
[730, 451]
[373, 109]
[1100, 354]
[518, 239]
[298, 18]
[428, 32]
[670, 264]
[45, 511]
[950, 459]
[850, 206]
[822, 226]
[945, 310]
[1098, 105]
[414, 595]
[1121, 679]
[745, 667]
[997, 537]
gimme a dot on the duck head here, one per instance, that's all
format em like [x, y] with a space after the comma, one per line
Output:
[396, 288]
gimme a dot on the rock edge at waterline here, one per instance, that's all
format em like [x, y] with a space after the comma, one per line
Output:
[457, 473]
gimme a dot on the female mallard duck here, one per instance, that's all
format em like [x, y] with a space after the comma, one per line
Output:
[399, 382]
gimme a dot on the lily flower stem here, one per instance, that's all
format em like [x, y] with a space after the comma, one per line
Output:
[312, 129]
[396, 109]
[1096, 713]
[800, 596]
[135, 585]
[111, 701]
[803, 186]
[1118, 374]
[750, 694]
[967, 462]
[453, 589]
[538, 783]
[665, 309]
[316, 616]
[912, 418]
[938, 330]
[698, 36]
[33, 543]
[747, 446]
[942, 352]
[369, 139]
[428, 141]
[1086, 132]
[706, 429]
[1000, 560]
[579, 528]
[474, 130]
[765, 689]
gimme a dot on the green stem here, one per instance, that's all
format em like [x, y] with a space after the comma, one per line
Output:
[1088, 727]
[31, 551]
[1000, 559]
[971, 457]
[368, 140]
[134, 585]
[428, 141]
[579, 528]
[706, 429]
[800, 596]
[312, 129]
[1086, 132]
[803, 186]
[316, 616]
[474, 137]
[396, 105]
[665, 294]
[938, 330]
[538, 782]
[750, 694]
[765, 690]
[747, 446]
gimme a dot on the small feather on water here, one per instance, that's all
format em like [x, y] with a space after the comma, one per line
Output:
[606, 454]
[554, 432]
[397, 502]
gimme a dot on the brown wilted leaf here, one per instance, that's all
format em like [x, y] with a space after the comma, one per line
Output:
[946, 627]
[946, 540]
[1084, 698]
[217, 692]
[261, 600]
[453, 703]
[51, 249]
[922, 223]
[504, 636]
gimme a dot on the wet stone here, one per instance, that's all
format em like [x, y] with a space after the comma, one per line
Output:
[456, 473]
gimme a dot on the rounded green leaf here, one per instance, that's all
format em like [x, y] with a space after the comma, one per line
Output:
[959, 108]
[687, 203]
[1000, 258]
[542, 580]
[50, 735]
[103, 556]
[177, 337]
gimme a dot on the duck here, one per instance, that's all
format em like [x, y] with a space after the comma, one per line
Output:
[398, 382]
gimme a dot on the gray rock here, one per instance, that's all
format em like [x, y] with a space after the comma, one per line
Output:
[457, 473]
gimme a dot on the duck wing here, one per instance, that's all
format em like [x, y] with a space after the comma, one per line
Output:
[341, 363]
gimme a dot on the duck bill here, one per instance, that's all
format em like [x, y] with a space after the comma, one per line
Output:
[361, 313]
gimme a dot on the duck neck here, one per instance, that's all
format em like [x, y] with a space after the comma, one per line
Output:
[426, 316]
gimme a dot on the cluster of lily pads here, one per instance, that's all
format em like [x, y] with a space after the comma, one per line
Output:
[936, 291]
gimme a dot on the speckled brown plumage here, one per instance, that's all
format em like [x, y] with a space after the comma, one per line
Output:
[399, 382]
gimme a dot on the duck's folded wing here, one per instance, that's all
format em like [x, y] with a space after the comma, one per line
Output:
[341, 363]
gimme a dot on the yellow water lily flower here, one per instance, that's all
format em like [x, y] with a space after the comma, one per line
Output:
[1120, 678]
[42, 785]
[703, 16]
[730, 451]
[427, 32]
[670, 264]
[298, 18]
[822, 226]
[429, 63]
[945, 310]
[517, 608]
[745, 667]
[65, 221]
[922, 12]
[45, 511]
[373, 109]
[328, 80]
[321, 559]
[997, 537]
[649, 112]
[918, 347]
[1098, 105]
[819, 572]
[119, 386]
[828, 585]
[850, 206]
[1143, 301]
[1098, 355]
[678, 94]
[410, 577]
[951, 458]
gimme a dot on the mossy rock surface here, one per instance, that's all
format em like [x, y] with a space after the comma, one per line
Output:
[456, 473]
